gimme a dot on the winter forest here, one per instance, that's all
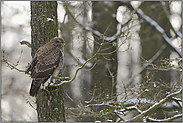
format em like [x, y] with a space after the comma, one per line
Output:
[122, 61]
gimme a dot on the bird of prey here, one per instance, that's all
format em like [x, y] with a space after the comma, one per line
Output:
[47, 62]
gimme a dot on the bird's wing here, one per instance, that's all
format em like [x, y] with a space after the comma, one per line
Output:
[46, 61]
[32, 64]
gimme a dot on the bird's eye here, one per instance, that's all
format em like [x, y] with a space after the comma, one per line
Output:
[57, 41]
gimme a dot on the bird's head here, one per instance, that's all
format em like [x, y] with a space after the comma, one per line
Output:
[58, 41]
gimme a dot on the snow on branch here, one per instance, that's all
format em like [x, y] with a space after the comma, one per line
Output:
[159, 29]
[155, 106]
[26, 42]
[178, 33]
[96, 32]
[166, 119]
[82, 61]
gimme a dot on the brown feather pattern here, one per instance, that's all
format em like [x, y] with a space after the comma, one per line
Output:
[48, 60]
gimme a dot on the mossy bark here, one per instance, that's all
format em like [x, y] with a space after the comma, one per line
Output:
[44, 26]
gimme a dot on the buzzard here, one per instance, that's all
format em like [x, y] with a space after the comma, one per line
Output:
[47, 62]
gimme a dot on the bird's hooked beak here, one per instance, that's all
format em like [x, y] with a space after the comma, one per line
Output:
[63, 44]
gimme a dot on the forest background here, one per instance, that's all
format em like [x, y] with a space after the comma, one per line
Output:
[145, 67]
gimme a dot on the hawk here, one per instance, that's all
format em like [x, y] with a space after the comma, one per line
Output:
[47, 62]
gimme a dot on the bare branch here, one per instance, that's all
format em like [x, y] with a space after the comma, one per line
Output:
[12, 66]
[159, 29]
[96, 32]
[155, 106]
[26, 42]
[168, 17]
[146, 64]
[166, 119]
[155, 24]
[67, 82]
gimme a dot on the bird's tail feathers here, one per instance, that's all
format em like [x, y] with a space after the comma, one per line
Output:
[36, 83]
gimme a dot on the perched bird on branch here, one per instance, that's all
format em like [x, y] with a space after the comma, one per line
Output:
[47, 62]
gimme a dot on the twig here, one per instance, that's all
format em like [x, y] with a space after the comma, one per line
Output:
[26, 42]
[91, 67]
[96, 32]
[121, 119]
[177, 101]
[131, 16]
[165, 120]
[67, 82]
[91, 97]
[167, 16]
[159, 29]
[146, 64]
[155, 106]
[12, 66]
[155, 24]
[115, 49]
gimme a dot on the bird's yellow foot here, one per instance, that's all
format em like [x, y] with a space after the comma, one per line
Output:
[52, 80]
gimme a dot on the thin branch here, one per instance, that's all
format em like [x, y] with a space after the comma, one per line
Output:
[115, 49]
[165, 120]
[91, 97]
[177, 101]
[155, 106]
[96, 105]
[60, 78]
[159, 29]
[121, 119]
[67, 82]
[146, 64]
[91, 67]
[26, 42]
[12, 66]
[31, 105]
[168, 18]
[96, 32]
[131, 16]
[155, 24]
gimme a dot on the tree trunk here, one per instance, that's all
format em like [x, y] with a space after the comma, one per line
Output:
[50, 101]
[102, 82]
[151, 42]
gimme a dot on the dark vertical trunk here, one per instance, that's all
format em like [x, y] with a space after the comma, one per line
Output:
[50, 102]
[67, 29]
[152, 41]
[102, 82]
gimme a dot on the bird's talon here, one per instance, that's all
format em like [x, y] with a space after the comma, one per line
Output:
[52, 80]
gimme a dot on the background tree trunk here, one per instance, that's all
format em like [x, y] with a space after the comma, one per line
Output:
[50, 102]
[66, 30]
[103, 17]
[151, 42]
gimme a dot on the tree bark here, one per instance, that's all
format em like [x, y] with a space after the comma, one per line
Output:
[102, 82]
[44, 26]
[151, 42]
